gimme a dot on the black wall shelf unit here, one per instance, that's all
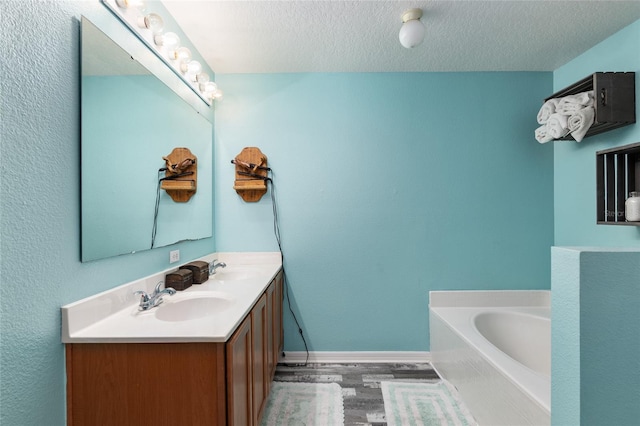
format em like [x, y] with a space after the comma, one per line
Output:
[615, 99]
[617, 174]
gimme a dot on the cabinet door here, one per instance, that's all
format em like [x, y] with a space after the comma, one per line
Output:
[259, 344]
[278, 333]
[271, 324]
[239, 376]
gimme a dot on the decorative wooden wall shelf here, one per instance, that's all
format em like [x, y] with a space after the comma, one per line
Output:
[181, 177]
[617, 174]
[251, 171]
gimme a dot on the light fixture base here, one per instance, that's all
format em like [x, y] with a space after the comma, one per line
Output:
[411, 14]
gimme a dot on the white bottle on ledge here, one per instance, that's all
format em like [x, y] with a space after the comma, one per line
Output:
[632, 207]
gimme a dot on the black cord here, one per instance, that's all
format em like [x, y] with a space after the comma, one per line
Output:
[154, 230]
[276, 231]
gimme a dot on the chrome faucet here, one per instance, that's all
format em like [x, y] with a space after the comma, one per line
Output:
[148, 301]
[213, 266]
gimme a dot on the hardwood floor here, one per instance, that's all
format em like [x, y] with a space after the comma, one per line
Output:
[363, 403]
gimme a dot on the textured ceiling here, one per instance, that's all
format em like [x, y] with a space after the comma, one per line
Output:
[362, 36]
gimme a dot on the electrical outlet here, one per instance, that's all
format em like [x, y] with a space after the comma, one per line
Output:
[174, 256]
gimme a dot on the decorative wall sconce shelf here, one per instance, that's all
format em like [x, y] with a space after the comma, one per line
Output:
[617, 174]
[175, 185]
[251, 174]
[181, 175]
[615, 99]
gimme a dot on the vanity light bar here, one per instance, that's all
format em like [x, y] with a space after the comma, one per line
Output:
[149, 27]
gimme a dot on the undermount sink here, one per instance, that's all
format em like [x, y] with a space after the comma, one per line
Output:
[193, 306]
[235, 274]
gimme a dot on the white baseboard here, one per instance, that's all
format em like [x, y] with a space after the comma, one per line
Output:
[322, 357]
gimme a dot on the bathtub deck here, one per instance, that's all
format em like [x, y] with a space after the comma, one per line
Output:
[363, 403]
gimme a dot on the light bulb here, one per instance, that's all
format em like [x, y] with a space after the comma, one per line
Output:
[209, 88]
[191, 69]
[412, 31]
[218, 95]
[182, 55]
[151, 22]
[202, 79]
[169, 41]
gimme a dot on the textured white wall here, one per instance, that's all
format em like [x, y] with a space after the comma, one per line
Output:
[40, 205]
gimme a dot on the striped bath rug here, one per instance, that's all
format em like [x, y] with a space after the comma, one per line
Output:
[433, 403]
[297, 404]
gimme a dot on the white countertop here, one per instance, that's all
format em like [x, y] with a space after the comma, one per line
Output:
[113, 316]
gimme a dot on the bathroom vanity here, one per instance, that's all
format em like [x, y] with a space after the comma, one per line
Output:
[206, 356]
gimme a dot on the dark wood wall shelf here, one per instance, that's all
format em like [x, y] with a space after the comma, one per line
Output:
[617, 174]
[615, 99]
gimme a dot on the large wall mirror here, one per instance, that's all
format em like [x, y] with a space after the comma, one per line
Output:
[130, 120]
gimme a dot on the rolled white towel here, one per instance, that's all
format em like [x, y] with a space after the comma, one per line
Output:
[572, 103]
[557, 126]
[547, 109]
[542, 135]
[580, 122]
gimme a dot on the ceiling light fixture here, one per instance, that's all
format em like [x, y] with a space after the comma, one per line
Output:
[412, 31]
[149, 27]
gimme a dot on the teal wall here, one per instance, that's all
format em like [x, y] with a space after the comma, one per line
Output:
[595, 295]
[389, 186]
[40, 204]
[565, 337]
[574, 163]
[595, 337]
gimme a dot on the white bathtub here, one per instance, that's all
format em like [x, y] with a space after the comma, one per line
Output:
[495, 347]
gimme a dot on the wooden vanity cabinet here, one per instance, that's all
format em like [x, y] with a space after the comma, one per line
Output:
[250, 372]
[145, 384]
[179, 383]
[274, 330]
[271, 312]
[259, 329]
[239, 376]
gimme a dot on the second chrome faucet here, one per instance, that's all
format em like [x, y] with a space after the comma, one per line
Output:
[213, 266]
